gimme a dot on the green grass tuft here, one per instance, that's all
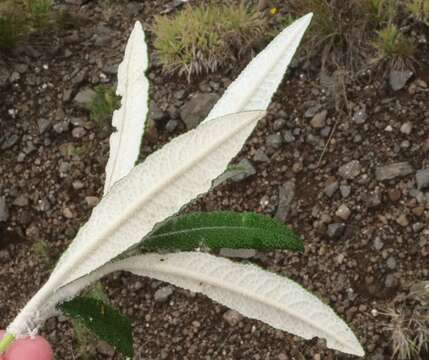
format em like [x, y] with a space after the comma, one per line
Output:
[203, 38]
[419, 10]
[102, 106]
[394, 47]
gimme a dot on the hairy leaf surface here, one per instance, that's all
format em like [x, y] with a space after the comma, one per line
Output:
[129, 119]
[253, 292]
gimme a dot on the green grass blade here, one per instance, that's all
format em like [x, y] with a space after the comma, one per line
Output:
[104, 321]
[223, 229]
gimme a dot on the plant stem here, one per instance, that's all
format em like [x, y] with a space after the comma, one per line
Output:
[7, 340]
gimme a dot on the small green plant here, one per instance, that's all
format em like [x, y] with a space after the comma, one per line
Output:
[380, 12]
[12, 25]
[102, 106]
[203, 38]
[39, 12]
[394, 48]
[419, 9]
[19, 18]
[42, 250]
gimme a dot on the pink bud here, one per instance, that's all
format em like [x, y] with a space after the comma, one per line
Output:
[25, 349]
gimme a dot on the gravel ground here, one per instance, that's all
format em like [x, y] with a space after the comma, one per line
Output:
[355, 184]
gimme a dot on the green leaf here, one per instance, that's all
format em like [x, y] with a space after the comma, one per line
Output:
[222, 229]
[106, 322]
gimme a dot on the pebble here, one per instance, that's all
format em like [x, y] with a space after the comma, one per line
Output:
[84, 98]
[311, 111]
[406, 128]
[398, 79]
[391, 263]
[390, 281]
[289, 137]
[392, 171]
[232, 317]
[21, 201]
[378, 244]
[246, 170]
[68, 214]
[345, 190]
[261, 156]
[331, 189]
[318, 120]
[163, 293]
[4, 211]
[343, 212]
[336, 230]
[197, 108]
[286, 196]
[171, 125]
[422, 178]
[43, 124]
[91, 201]
[360, 116]
[78, 132]
[105, 349]
[274, 141]
[350, 170]
[402, 220]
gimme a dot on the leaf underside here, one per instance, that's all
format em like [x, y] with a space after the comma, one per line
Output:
[103, 320]
[223, 229]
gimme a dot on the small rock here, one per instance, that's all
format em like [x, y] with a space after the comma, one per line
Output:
[343, 212]
[163, 293]
[288, 136]
[9, 141]
[350, 170]
[311, 111]
[43, 125]
[378, 244]
[345, 190]
[78, 132]
[406, 128]
[105, 349]
[279, 124]
[336, 230]
[232, 317]
[171, 125]
[286, 196]
[274, 141]
[237, 253]
[391, 263]
[246, 169]
[21, 201]
[260, 156]
[394, 194]
[61, 127]
[422, 178]
[91, 201]
[197, 108]
[390, 281]
[392, 171]
[360, 116]
[402, 220]
[68, 214]
[398, 79]
[318, 120]
[84, 98]
[331, 189]
[4, 211]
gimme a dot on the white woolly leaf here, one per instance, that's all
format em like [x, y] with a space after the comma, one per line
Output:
[255, 86]
[154, 190]
[129, 119]
[248, 289]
